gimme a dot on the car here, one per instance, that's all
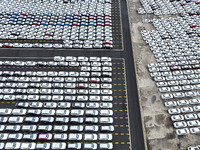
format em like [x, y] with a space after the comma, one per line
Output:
[166, 96]
[90, 137]
[64, 105]
[91, 128]
[5, 111]
[176, 88]
[177, 118]
[58, 145]
[186, 109]
[106, 112]
[174, 111]
[193, 123]
[181, 124]
[15, 136]
[50, 105]
[94, 59]
[105, 137]
[30, 136]
[190, 116]
[31, 119]
[105, 58]
[43, 146]
[196, 108]
[179, 95]
[12, 145]
[90, 145]
[106, 146]
[195, 130]
[193, 148]
[75, 136]
[170, 104]
[77, 128]
[29, 128]
[183, 131]
[106, 120]
[92, 105]
[62, 136]
[106, 105]
[164, 89]
[107, 128]
[45, 136]
[16, 119]
[74, 146]
[182, 102]
[194, 101]
[76, 120]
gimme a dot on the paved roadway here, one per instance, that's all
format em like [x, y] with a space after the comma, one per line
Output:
[137, 140]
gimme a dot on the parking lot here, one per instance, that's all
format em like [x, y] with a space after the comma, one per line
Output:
[121, 132]
[158, 127]
[78, 25]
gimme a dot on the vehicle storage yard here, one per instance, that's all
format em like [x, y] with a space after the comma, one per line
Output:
[90, 84]
[158, 127]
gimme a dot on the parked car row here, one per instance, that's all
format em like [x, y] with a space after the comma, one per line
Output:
[80, 24]
[175, 45]
[183, 102]
[159, 7]
[55, 145]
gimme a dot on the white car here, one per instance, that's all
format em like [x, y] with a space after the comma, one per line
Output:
[195, 130]
[58, 145]
[190, 116]
[12, 145]
[183, 131]
[70, 58]
[106, 120]
[186, 109]
[29, 128]
[75, 136]
[167, 96]
[78, 128]
[60, 128]
[106, 112]
[30, 136]
[60, 136]
[193, 123]
[59, 58]
[193, 148]
[181, 124]
[90, 146]
[3, 136]
[90, 137]
[196, 108]
[177, 117]
[182, 102]
[194, 101]
[107, 98]
[170, 104]
[105, 58]
[43, 146]
[92, 128]
[106, 137]
[106, 146]
[74, 145]
[107, 128]
[82, 58]
[174, 111]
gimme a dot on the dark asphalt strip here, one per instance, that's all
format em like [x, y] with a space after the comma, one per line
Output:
[137, 138]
